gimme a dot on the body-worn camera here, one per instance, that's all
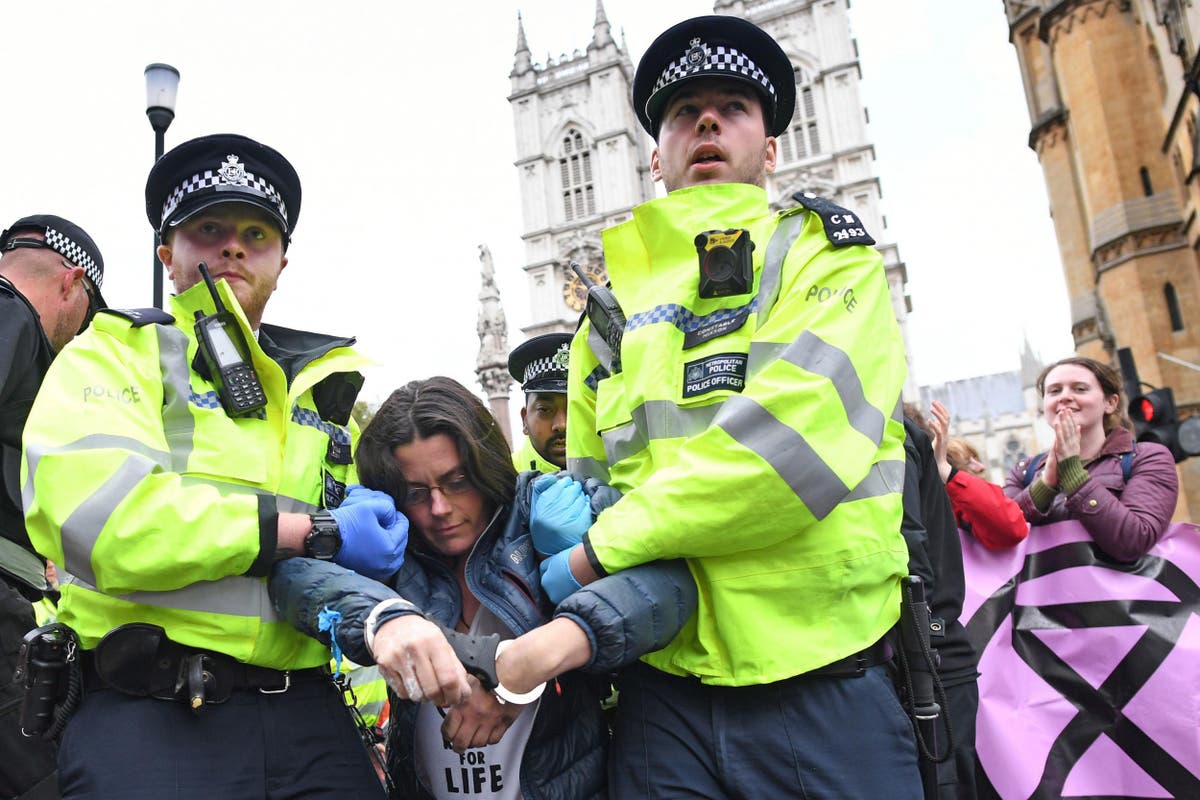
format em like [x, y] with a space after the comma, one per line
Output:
[42, 672]
[726, 262]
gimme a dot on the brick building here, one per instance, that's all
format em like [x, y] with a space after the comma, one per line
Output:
[1112, 92]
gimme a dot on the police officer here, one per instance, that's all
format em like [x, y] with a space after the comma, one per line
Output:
[50, 277]
[540, 366]
[167, 469]
[750, 415]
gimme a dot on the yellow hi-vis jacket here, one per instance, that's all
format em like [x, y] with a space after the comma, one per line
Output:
[161, 506]
[757, 435]
[528, 455]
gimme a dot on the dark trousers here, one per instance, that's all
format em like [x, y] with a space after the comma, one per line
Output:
[803, 738]
[255, 746]
[24, 763]
[956, 777]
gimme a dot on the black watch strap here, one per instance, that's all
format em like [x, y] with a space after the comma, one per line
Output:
[325, 539]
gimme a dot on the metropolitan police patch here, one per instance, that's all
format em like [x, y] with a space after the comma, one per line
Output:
[722, 371]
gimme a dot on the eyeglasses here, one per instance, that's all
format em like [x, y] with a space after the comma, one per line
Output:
[418, 495]
[93, 306]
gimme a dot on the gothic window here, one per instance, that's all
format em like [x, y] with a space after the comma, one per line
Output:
[803, 138]
[575, 174]
[1173, 307]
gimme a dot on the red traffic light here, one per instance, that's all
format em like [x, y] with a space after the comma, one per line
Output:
[1153, 408]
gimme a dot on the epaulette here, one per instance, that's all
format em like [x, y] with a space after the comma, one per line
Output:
[842, 227]
[141, 316]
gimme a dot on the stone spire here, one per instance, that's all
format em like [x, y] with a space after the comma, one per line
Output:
[601, 30]
[523, 61]
[491, 367]
[1031, 365]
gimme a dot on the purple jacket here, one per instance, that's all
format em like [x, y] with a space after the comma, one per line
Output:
[1124, 518]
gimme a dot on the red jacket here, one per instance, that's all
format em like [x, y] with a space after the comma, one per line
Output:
[982, 508]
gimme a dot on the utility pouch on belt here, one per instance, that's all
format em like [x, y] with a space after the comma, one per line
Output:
[139, 660]
[48, 672]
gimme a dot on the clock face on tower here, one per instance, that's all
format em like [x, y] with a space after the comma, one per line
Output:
[575, 292]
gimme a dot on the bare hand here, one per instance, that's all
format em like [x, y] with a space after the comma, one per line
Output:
[418, 663]
[1066, 435]
[1050, 473]
[941, 438]
[480, 720]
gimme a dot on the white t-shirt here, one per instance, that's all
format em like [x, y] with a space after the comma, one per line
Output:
[492, 772]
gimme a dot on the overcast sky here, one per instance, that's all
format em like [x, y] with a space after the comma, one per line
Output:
[398, 123]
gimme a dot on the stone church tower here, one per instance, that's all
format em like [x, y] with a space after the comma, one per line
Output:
[1110, 86]
[583, 160]
[582, 164]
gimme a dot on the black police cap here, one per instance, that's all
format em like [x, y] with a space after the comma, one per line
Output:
[715, 46]
[63, 237]
[222, 168]
[540, 364]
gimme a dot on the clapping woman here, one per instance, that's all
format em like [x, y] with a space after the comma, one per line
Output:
[1122, 492]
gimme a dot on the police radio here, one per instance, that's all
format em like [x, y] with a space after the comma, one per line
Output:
[227, 356]
[604, 313]
[726, 262]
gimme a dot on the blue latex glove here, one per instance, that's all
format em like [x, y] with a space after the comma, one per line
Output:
[374, 533]
[559, 514]
[557, 579]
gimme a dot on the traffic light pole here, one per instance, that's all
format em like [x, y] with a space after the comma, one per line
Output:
[1129, 373]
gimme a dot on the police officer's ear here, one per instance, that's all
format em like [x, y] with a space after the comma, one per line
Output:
[769, 154]
[165, 256]
[66, 280]
[524, 424]
[655, 166]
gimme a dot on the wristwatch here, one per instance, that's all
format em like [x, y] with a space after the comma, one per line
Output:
[324, 540]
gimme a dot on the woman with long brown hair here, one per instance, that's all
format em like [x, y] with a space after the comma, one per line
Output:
[1123, 492]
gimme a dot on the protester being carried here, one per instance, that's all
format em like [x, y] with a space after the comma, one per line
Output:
[980, 507]
[1123, 493]
[471, 566]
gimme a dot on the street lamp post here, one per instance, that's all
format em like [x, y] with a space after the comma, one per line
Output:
[162, 83]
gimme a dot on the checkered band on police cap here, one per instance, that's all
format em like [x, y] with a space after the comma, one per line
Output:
[540, 364]
[547, 366]
[701, 58]
[75, 253]
[63, 237]
[715, 46]
[218, 169]
[232, 174]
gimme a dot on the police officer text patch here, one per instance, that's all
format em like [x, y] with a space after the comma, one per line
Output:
[722, 371]
[842, 227]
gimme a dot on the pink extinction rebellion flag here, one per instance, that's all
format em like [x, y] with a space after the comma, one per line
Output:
[1089, 669]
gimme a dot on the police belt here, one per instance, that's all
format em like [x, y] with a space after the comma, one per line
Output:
[139, 660]
[855, 665]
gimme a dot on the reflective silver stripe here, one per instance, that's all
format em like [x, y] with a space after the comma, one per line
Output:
[786, 451]
[82, 528]
[95, 441]
[782, 239]
[810, 353]
[590, 467]
[282, 502]
[656, 419]
[372, 709]
[885, 477]
[235, 595]
[601, 350]
[178, 423]
[762, 354]
[292, 505]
